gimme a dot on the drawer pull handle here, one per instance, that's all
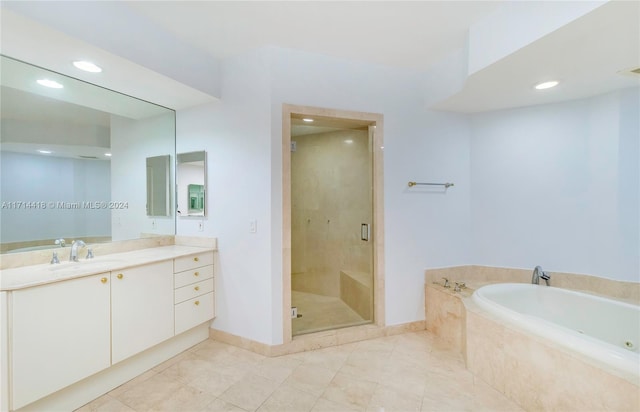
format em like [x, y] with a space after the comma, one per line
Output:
[195, 259]
[197, 288]
[197, 302]
[120, 276]
[196, 274]
[103, 280]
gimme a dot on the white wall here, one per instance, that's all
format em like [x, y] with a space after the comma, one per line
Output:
[242, 136]
[236, 137]
[558, 185]
[547, 182]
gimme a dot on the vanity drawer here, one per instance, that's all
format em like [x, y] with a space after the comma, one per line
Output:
[194, 290]
[193, 312]
[192, 261]
[192, 276]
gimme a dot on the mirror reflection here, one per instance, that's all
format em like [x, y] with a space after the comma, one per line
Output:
[191, 175]
[196, 199]
[158, 184]
[73, 161]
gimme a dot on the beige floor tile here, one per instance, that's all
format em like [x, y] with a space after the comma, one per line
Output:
[408, 372]
[184, 398]
[213, 350]
[408, 379]
[105, 403]
[164, 365]
[486, 398]
[441, 404]
[311, 379]
[133, 383]
[288, 399]
[389, 399]
[277, 369]
[237, 371]
[330, 358]
[214, 383]
[143, 396]
[370, 365]
[219, 405]
[380, 345]
[249, 392]
[350, 391]
[189, 368]
[325, 405]
[417, 341]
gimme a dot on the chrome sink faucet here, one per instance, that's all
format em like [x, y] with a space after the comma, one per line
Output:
[73, 256]
[538, 274]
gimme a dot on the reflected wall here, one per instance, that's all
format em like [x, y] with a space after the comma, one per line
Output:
[73, 161]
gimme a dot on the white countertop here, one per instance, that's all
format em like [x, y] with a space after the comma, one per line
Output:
[28, 276]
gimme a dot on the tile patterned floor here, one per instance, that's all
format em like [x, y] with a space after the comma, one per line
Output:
[321, 313]
[409, 372]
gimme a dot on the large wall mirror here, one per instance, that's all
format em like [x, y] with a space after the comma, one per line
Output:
[74, 160]
[191, 180]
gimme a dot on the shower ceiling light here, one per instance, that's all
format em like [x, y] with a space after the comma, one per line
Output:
[87, 66]
[307, 120]
[50, 83]
[546, 85]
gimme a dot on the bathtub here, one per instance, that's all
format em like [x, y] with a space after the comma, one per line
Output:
[605, 330]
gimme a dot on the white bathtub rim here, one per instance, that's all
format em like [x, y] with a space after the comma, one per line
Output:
[610, 357]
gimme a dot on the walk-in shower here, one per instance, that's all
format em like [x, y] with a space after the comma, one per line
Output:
[331, 217]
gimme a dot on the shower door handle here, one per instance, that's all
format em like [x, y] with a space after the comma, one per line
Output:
[365, 231]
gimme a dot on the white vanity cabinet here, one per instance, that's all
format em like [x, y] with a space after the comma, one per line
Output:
[194, 286]
[141, 308]
[59, 334]
[65, 341]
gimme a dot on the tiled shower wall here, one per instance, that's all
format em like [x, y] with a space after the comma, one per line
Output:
[330, 198]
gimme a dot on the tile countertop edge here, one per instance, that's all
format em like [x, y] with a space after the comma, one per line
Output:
[42, 274]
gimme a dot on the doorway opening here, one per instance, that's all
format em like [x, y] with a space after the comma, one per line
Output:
[332, 203]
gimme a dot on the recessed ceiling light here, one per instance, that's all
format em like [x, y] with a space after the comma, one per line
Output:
[307, 120]
[45, 151]
[108, 154]
[87, 66]
[546, 85]
[50, 83]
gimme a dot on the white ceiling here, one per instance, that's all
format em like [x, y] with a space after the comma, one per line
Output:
[409, 34]
[187, 36]
[590, 56]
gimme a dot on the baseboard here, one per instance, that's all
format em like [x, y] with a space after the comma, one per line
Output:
[319, 340]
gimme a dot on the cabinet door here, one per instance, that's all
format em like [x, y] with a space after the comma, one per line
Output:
[194, 311]
[141, 308]
[60, 335]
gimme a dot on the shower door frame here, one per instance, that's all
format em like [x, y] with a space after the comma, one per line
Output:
[376, 120]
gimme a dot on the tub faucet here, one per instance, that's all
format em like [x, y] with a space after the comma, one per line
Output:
[73, 256]
[538, 273]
